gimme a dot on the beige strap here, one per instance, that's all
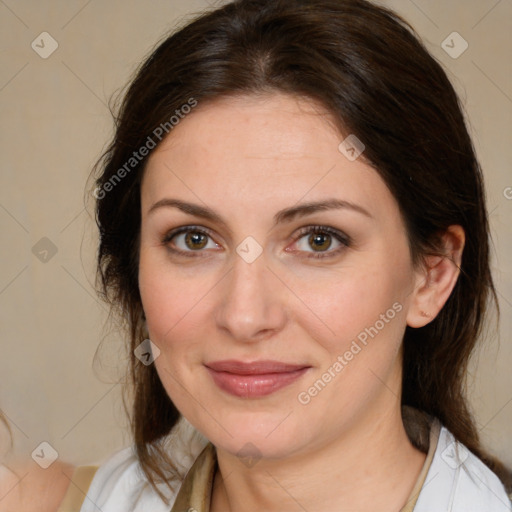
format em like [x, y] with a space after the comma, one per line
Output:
[420, 482]
[195, 491]
[78, 487]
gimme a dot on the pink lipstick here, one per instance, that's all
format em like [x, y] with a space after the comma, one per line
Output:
[255, 379]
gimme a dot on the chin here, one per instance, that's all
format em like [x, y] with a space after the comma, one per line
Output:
[255, 435]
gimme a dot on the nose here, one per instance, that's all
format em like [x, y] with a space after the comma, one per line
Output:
[251, 305]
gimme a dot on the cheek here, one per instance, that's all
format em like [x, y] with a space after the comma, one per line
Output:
[359, 322]
[166, 295]
[360, 334]
[176, 304]
[340, 306]
[171, 306]
[175, 309]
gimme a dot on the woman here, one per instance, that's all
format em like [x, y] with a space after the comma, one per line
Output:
[293, 226]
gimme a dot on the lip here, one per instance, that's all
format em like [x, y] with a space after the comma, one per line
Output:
[255, 379]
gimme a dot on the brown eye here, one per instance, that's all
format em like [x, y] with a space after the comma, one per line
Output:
[320, 241]
[189, 240]
[196, 240]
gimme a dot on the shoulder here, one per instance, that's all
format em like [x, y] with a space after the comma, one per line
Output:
[458, 481]
[25, 487]
[120, 484]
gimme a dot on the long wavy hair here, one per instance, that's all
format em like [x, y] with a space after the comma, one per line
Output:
[370, 70]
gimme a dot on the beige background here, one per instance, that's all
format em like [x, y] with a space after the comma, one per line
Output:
[55, 123]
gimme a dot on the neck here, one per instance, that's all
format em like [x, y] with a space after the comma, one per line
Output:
[372, 466]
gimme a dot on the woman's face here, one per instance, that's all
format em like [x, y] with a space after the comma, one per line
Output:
[279, 322]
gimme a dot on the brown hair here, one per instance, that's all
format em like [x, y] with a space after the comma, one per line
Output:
[368, 68]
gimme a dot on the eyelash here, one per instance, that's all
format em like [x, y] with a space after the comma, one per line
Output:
[344, 240]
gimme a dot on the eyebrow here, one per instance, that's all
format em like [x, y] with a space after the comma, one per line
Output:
[286, 215]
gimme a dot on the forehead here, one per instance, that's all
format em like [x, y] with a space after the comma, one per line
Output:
[271, 149]
[264, 127]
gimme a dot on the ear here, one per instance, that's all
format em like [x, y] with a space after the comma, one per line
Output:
[436, 279]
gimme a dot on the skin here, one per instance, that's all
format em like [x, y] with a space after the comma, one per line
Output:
[26, 487]
[246, 159]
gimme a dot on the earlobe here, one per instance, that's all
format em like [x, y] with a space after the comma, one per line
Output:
[436, 279]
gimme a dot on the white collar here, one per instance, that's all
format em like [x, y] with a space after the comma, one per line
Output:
[458, 481]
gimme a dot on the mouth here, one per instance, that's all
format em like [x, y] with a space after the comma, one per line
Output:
[255, 379]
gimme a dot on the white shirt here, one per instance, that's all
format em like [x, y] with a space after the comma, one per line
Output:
[457, 481]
